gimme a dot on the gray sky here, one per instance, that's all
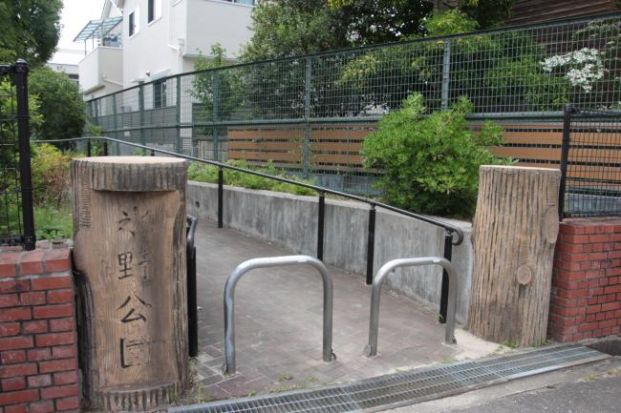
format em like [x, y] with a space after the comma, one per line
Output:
[74, 16]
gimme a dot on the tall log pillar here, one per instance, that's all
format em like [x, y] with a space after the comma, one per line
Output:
[514, 232]
[129, 233]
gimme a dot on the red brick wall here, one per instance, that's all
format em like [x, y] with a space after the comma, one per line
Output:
[38, 353]
[586, 285]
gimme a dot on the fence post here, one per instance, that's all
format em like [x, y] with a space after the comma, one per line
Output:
[446, 74]
[567, 112]
[117, 134]
[178, 145]
[307, 112]
[141, 111]
[23, 133]
[216, 114]
[444, 297]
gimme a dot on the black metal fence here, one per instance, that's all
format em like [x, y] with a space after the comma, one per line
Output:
[591, 163]
[16, 203]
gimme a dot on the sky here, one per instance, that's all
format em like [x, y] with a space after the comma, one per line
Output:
[74, 16]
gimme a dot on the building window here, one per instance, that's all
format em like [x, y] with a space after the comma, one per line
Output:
[159, 94]
[133, 23]
[154, 10]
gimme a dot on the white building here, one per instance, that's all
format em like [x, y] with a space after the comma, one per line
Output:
[139, 41]
[71, 70]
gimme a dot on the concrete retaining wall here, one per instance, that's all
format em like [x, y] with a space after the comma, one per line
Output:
[290, 221]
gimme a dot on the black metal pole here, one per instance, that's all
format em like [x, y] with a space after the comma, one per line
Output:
[192, 290]
[23, 133]
[88, 148]
[220, 197]
[152, 152]
[567, 112]
[320, 224]
[371, 245]
[105, 148]
[448, 254]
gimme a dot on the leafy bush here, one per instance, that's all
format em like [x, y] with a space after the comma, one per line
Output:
[50, 175]
[431, 162]
[208, 173]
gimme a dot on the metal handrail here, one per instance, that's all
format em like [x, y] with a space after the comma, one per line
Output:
[378, 281]
[249, 265]
[453, 234]
[454, 229]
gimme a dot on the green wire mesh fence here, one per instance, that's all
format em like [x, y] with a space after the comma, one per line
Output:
[310, 114]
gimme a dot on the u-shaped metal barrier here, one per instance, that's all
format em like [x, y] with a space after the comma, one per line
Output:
[245, 267]
[380, 277]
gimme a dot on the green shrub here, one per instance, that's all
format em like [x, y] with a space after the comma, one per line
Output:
[50, 175]
[430, 162]
[208, 173]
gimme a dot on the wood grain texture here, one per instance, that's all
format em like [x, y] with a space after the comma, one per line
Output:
[130, 239]
[536, 11]
[514, 232]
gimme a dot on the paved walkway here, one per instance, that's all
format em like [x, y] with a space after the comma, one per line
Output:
[279, 324]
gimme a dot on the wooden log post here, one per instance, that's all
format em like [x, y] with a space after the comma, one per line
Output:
[514, 232]
[129, 234]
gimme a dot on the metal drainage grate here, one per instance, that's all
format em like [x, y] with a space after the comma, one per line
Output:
[409, 387]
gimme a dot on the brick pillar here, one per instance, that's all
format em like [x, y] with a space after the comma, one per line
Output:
[38, 353]
[586, 285]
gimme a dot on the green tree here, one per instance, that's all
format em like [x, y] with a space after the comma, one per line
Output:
[480, 67]
[30, 30]
[379, 21]
[60, 104]
[213, 85]
[285, 28]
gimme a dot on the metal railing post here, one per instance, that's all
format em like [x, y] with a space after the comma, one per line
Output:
[192, 291]
[371, 245]
[105, 148]
[220, 197]
[382, 274]
[23, 133]
[320, 224]
[567, 113]
[247, 266]
[89, 149]
[448, 254]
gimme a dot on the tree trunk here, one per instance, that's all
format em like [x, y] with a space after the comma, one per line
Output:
[514, 231]
[129, 233]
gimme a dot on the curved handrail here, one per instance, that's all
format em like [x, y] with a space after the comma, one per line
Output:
[252, 264]
[456, 232]
[378, 281]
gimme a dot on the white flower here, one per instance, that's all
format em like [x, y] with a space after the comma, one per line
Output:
[584, 67]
